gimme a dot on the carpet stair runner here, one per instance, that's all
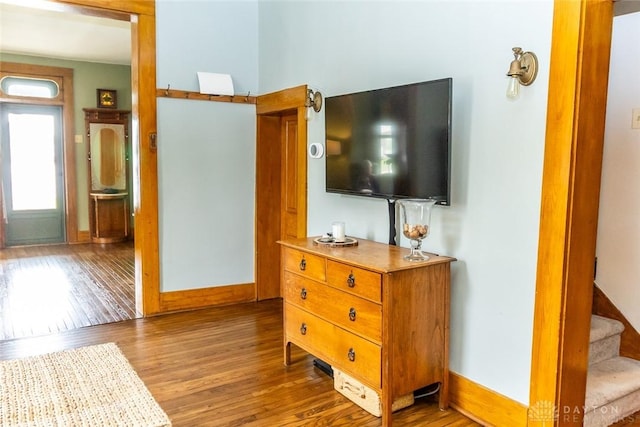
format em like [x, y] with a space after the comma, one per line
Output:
[613, 382]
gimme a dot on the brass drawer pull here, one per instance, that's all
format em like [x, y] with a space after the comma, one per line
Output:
[303, 264]
[303, 329]
[351, 280]
[352, 314]
[351, 355]
[303, 293]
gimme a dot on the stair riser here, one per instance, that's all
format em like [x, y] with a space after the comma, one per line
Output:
[620, 409]
[604, 349]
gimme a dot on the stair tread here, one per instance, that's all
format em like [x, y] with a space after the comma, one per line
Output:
[603, 327]
[611, 379]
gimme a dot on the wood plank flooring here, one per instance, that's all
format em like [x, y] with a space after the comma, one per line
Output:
[216, 367]
[224, 367]
[48, 289]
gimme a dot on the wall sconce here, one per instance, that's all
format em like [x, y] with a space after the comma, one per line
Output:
[523, 71]
[313, 103]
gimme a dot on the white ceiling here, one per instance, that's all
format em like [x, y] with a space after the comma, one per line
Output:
[53, 34]
[72, 36]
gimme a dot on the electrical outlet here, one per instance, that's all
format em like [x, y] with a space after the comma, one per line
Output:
[78, 139]
[635, 117]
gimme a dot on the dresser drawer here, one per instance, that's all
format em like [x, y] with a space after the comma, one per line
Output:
[340, 348]
[357, 281]
[348, 311]
[304, 263]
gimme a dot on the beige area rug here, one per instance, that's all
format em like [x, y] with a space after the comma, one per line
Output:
[88, 386]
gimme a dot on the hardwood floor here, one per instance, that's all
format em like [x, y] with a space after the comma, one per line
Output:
[48, 289]
[224, 367]
[215, 367]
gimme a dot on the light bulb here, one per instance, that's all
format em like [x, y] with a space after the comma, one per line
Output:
[309, 114]
[513, 90]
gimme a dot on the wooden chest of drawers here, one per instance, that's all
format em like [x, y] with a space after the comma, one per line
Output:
[371, 314]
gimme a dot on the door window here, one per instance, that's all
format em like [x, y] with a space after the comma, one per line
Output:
[32, 88]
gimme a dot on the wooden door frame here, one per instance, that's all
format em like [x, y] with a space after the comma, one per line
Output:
[580, 53]
[141, 14]
[279, 104]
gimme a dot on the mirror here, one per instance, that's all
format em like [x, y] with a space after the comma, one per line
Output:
[108, 133]
[108, 157]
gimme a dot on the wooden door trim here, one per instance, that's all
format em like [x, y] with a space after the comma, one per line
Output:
[141, 13]
[282, 100]
[102, 8]
[278, 104]
[302, 170]
[580, 51]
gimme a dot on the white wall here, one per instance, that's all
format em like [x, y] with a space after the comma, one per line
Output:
[492, 225]
[206, 150]
[219, 36]
[341, 47]
[618, 244]
[206, 177]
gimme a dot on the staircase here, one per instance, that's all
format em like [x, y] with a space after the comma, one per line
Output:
[613, 382]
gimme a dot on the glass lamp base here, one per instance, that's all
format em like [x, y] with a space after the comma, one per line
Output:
[416, 254]
[416, 217]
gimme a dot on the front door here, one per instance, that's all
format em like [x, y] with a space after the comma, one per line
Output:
[32, 174]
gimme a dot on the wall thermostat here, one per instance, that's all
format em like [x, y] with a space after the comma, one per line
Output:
[316, 150]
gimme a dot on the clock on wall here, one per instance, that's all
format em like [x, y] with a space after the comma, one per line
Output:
[107, 98]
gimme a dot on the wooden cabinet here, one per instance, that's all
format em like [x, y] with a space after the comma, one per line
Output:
[369, 313]
[108, 173]
[110, 215]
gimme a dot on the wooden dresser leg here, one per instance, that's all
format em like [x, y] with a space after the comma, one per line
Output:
[287, 353]
[443, 395]
[387, 406]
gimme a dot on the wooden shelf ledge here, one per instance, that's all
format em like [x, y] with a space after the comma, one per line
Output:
[184, 94]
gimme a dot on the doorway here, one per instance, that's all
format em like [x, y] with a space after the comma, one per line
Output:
[32, 168]
[281, 180]
[580, 52]
[141, 15]
[63, 274]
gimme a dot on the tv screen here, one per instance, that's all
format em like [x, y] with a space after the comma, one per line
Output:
[391, 143]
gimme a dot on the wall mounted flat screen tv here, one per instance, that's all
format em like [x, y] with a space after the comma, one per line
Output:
[391, 143]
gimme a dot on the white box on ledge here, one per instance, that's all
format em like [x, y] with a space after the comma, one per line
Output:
[215, 84]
